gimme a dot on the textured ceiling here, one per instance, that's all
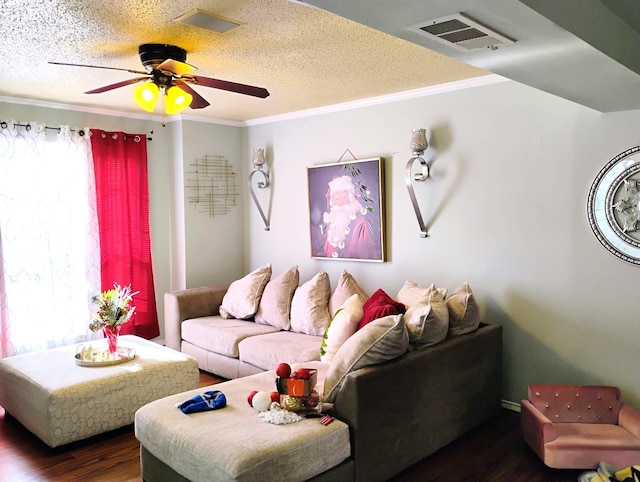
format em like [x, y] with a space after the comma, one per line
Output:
[586, 51]
[305, 57]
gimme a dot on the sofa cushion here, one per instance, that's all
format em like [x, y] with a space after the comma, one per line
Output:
[275, 304]
[464, 312]
[267, 351]
[310, 306]
[379, 305]
[346, 287]
[243, 296]
[219, 335]
[427, 316]
[380, 340]
[343, 324]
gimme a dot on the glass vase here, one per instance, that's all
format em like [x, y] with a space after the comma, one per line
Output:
[111, 334]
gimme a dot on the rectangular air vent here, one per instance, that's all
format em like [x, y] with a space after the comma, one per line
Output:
[209, 21]
[460, 32]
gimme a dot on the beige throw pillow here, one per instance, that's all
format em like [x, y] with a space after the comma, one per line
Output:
[343, 324]
[346, 287]
[464, 312]
[427, 316]
[310, 306]
[242, 299]
[378, 341]
[275, 304]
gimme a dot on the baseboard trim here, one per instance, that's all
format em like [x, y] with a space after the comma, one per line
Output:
[513, 406]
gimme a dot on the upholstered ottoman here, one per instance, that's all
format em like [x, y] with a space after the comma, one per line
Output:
[61, 402]
[235, 444]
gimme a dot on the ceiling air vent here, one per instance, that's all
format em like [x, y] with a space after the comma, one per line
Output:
[209, 21]
[461, 32]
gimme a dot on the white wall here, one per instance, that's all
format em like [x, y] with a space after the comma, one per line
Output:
[507, 208]
[213, 244]
[507, 205]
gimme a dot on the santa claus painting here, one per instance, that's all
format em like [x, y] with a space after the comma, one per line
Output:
[346, 211]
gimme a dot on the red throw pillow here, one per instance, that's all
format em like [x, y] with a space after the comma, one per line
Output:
[380, 304]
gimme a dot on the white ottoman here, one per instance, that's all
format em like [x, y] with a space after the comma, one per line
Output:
[61, 402]
[234, 443]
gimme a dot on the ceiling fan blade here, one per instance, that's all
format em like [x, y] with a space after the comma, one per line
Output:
[105, 88]
[198, 102]
[100, 67]
[177, 67]
[230, 86]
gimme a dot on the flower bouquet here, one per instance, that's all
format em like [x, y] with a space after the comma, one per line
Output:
[114, 309]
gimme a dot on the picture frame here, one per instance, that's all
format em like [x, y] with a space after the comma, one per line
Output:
[346, 210]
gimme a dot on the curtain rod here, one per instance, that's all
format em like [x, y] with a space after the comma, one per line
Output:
[81, 132]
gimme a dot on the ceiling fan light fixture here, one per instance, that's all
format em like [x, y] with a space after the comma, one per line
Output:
[177, 100]
[145, 95]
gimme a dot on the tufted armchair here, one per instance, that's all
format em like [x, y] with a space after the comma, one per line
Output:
[577, 427]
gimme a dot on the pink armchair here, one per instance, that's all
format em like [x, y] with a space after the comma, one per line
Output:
[577, 427]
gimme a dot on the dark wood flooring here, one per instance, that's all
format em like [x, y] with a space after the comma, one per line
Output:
[493, 452]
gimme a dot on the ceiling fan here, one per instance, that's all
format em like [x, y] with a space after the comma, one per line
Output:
[167, 71]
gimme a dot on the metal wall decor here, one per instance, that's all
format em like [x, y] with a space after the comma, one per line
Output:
[259, 161]
[613, 206]
[212, 183]
[419, 144]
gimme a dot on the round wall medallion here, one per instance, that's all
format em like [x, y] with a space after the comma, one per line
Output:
[613, 206]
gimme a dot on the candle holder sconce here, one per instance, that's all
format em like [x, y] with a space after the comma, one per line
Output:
[419, 144]
[258, 161]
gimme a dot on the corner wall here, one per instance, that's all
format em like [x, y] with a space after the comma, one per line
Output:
[213, 242]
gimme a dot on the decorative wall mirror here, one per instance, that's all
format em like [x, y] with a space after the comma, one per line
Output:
[613, 206]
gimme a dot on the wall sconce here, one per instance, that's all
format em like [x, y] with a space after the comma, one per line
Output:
[258, 161]
[419, 144]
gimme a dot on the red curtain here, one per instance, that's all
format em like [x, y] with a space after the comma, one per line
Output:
[120, 163]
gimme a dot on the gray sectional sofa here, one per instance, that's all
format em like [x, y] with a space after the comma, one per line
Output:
[397, 411]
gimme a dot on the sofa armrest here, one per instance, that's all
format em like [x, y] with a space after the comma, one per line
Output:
[536, 429]
[190, 303]
[629, 419]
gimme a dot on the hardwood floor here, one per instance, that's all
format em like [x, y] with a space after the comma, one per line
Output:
[494, 452]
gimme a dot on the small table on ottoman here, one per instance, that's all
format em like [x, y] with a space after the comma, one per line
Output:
[60, 401]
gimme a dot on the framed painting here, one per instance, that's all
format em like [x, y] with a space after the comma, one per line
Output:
[346, 210]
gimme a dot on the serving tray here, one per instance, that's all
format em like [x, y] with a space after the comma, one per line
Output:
[100, 357]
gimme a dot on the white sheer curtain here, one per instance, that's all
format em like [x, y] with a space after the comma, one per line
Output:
[49, 245]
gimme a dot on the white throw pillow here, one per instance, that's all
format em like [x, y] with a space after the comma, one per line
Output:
[310, 306]
[343, 324]
[275, 304]
[464, 312]
[242, 299]
[346, 287]
[378, 341]
[427, 316]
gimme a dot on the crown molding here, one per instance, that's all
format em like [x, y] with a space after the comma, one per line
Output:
[384, 99]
